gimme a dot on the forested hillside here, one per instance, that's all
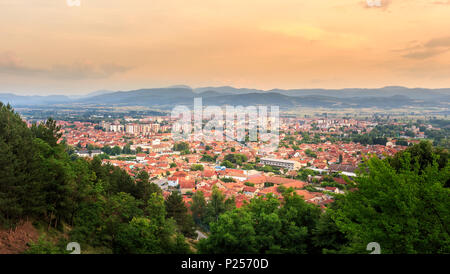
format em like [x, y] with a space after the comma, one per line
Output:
[401, 202]
[99, 206]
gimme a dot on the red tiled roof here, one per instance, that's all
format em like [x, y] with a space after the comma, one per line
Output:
[249, 189]
[306, 194]
[281, 181]
[267, 190]
[186, 184]
[180, 174]
[256, 179]
[208, 173]
[297, 184]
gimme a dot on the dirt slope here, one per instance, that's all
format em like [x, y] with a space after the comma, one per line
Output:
[15, 241]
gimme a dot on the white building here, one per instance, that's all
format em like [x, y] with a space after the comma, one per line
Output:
[280, 163]
[87, 153]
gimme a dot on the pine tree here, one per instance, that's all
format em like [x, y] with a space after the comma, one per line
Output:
[177, 210]
[198, 207]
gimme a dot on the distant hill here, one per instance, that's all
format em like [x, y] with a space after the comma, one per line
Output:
[17, 100]
[143, 97]
[98, 92]
[166, 98]
[387, 97]
[180, 86]
[211, 93]
[228, 90]
[415, 93]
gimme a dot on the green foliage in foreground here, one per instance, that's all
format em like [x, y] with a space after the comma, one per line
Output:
[42, 246]
[402, 203]
[405, 209]
[264, 227]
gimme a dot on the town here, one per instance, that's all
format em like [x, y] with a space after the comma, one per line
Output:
[317, 157]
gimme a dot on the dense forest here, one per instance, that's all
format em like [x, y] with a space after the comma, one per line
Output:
[400, 202]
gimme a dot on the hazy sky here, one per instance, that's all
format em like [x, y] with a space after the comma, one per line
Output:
[47, 46]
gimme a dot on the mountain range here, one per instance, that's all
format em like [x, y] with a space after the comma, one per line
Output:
[166, 98]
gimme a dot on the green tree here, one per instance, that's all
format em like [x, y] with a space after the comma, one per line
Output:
[299, 219]
[120, 209]
[42, 246]
[116, 150]
[232, 233]
[127, 149]
[48, 132]
[404, 208]
[326, 236]
[424, 154]
[197, 167]
[198, 207]
[145, 188]
[227, 164]
[182, 146]
[107, 150]
[20, 189]
[140, 236]
[208, 158]
[236, 158]
[264, 226]
[177, 210]
[216, 206]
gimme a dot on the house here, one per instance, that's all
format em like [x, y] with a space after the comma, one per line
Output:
[186, 185]
[140, 157]
[340, 181]
[249, 190]
[173, 181]
[209, 173]
[162, 183]
[267, 190]
[295, 185]
[257, 180]
[181, 174]
[305, 194]
[235, 174]
[285, 181]
[341, 168]
[334, 189]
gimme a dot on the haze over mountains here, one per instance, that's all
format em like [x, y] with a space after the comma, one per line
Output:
[166, 98]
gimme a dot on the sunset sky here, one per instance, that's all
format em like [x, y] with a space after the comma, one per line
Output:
[49, 47]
